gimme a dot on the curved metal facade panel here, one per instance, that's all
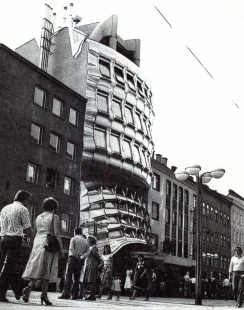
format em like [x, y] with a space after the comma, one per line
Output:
[119, 114]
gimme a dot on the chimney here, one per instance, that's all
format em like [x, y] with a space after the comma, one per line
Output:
[173, 168]
[159, 157]
[164, 161]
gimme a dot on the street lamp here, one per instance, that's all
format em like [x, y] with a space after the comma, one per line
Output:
[91, 222]
[200, 179]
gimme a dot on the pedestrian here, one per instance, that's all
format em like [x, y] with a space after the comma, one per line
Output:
[236, 270]
[14, 222]
[116, 286]
[193, 286]
[187, 281]
[226, 286]
[128, 280]
[91, 270]
[106, 273]
[42, 264]
[78, 251]
[141, 278]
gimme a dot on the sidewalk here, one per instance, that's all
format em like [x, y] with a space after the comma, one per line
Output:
[156, 303]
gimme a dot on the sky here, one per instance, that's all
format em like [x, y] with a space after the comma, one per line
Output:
[192, 55]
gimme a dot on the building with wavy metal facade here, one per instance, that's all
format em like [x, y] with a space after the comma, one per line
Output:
[115, 170]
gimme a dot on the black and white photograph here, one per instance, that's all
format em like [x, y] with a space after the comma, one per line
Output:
[121, 154]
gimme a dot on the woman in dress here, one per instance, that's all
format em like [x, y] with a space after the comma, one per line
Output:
[43, 265]
[91, 269]
[141, 278]
[106, 274]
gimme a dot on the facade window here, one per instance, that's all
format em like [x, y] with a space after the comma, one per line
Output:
[128, 114]
[180, 194]
[138, 120]
[211, 237]
[155, 211]
[102, 102]
[130, 81]
[127, 148]
[174, 218]
[100, 137]
[115, 142]
[104, 67]
[217, 238]
[154, 242]
[168, 188]
[180, 220]
[186, 197]
[207, 210]
[216, 215]
[203, 233]
[203, 208]
[69, 184]
[71, 151]
[32, 174]
[228, 221]
[36, 133]
[186, 222]
[221, 217]
[66, 222]
[54, 142]
[167, 215]
[57, 107]
[221, 240]
[39, 96]
[119, 75]
[73, 116]
[211, 212]
[136, 153]
[174, 191]
[52, 179]
[225, 243]
[117, 108]
[225, 218]
[156, 182]
[194, 201]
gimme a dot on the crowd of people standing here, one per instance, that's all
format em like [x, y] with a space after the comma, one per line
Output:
[87, 275]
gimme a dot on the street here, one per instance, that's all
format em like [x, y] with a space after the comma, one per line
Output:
[124, 303]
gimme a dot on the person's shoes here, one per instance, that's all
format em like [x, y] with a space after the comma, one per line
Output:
[3, 299]
[26, 293]
[64, 297]
[109, 297]
[147, 299]
[117, 298]
[99, 296]
[74, 298]
[132, 298]
[45, 300]
[80, 297]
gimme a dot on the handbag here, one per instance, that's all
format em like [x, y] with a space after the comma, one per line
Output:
[52, 245]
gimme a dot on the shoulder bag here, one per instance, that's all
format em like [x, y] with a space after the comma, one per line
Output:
[52, 245]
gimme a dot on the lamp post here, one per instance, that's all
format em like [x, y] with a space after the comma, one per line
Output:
[91, 222]
[200, 179]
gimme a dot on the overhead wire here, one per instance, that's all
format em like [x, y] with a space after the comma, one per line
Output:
[190, 50]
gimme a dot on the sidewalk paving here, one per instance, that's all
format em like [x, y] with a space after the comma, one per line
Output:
[155, 303]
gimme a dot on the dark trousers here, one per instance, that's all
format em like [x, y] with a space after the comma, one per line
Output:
[11, 250]
[238, 285]
[73, 268]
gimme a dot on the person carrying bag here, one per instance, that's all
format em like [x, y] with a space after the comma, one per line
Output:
[43, 261]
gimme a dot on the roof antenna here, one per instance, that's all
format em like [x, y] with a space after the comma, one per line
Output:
[65, 11]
